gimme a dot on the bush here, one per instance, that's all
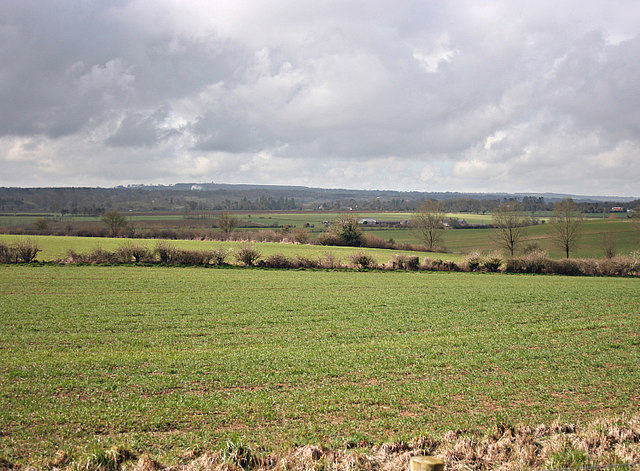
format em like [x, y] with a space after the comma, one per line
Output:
[329, 238]
[304, 262]
[405, 262]
[96, 256]
[492, 262]
[301, 236]
[329, 261]
[278, 261]
[475, 261]
[25, 251]
[165, 252]
[431, 264]
[192, 257]
[375, 242]
[7, 255]
[362, 260]
[566, 266]
[218, 256]
[247, 255]
[533, 262]
[136, 253]
[472, 261]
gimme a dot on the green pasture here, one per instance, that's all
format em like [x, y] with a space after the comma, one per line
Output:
[56, 247]
[167, 360]
[590, 245]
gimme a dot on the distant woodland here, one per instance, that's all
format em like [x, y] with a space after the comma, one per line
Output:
[220, 197]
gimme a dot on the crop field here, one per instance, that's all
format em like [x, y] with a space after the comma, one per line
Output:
[167, 360]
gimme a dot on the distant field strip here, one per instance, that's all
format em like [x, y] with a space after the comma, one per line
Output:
[164, 359]
[55, 247]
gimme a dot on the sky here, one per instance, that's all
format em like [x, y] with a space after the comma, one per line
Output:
[470, 96]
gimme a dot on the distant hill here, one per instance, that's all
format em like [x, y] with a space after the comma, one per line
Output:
[220, 196]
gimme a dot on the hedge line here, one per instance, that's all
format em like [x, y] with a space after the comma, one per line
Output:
[165, 253]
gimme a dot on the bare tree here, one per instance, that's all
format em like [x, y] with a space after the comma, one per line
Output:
[428, 221]
[227, 223]
[567, 225]
[510, 225]
[116, 222]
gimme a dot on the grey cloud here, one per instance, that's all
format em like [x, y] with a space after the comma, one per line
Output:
[142, 129]
[470, 95]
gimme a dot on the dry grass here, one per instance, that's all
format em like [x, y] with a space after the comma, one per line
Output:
[600, 443]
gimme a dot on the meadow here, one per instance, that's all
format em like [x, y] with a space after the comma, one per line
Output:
[56, 247]
[171, 360]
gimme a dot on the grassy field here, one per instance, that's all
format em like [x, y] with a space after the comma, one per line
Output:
[165, 360]
[458, 242]
[55, 247]
[620, 230]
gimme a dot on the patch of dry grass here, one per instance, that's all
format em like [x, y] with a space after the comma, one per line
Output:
[600, 443]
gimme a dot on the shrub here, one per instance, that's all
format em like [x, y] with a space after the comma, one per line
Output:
[533, 262]
[304, 262]
[192, 257]
[492, 262]
[472, 261]
[96, 256]
[329, 261]
[247, 255]
[405, 262]
[450, 265]
[25, 250]
[265, 235]
[278, 260]
[166, 252]
[301, 236]
[567, 266]
[218, 256]
[329, 238]
[431, 264]
[362, 260]
[375, 242]
[7, 255]
[136, 253]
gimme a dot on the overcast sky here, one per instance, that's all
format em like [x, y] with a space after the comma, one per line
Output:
[515, 96]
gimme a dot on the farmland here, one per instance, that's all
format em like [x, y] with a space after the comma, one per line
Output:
[163, 360]
[54, 247]
[620, 231]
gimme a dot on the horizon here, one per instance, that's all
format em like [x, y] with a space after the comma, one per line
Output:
[259, 185]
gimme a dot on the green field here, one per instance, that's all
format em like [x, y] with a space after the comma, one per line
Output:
[165, 360]
[458, 241]
[590, 245]
[55, 247]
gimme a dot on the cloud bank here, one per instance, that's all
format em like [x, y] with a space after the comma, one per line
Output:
[430, 96]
